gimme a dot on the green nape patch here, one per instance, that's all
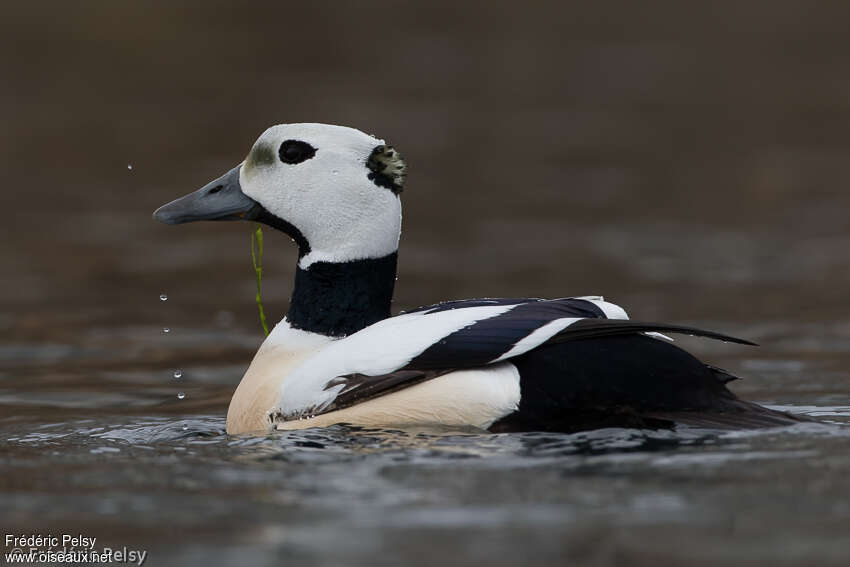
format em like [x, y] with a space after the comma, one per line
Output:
[261, 154]
[257, 261]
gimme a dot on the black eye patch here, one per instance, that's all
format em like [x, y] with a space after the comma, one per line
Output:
[295, 151]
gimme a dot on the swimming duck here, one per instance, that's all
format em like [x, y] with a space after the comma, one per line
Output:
[339, 356]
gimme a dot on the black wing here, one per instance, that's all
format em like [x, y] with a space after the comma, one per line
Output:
[480, 302]
[485, 341]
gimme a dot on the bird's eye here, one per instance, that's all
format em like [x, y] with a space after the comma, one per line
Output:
[296, 151]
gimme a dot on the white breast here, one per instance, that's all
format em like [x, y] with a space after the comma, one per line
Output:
[283, 350]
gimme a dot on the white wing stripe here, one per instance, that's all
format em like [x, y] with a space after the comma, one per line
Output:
[610, 310]
[538, 337]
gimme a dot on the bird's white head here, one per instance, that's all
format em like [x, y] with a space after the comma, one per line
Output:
[334, 189]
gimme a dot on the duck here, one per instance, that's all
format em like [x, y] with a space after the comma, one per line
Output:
[339, 356]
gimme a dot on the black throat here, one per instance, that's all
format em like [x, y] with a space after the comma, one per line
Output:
[338, 299]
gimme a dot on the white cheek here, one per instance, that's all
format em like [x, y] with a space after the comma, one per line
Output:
[365, 225]
[341, 213]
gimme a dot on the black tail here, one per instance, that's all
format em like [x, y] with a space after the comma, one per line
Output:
[627, 381]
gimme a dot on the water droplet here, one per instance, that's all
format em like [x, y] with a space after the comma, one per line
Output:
[166, 330]
[129, 166]
[178, 373]
[181, 395]
[335, 172]
[185, 427]
[163, 297]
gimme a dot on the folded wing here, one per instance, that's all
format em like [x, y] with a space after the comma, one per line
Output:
[431, 341]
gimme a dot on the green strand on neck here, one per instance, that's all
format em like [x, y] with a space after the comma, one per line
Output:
[257, 260]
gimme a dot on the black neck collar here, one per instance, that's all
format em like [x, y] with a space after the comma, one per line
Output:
[338, 299]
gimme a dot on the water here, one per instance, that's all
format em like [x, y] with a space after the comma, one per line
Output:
[350, 495]
[688, 163]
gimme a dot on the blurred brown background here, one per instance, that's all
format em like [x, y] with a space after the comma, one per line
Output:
[684, 159]
[689, 160]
